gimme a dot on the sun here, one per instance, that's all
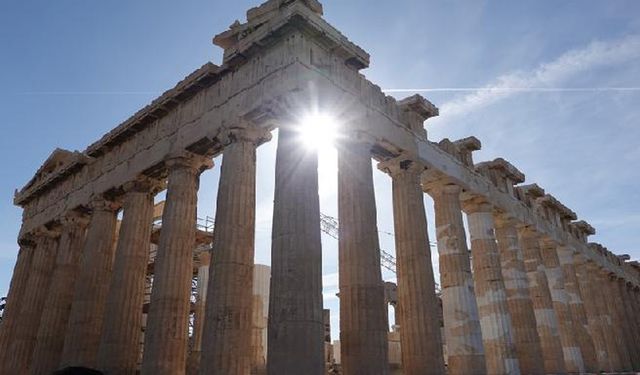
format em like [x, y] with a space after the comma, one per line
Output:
[318, 131]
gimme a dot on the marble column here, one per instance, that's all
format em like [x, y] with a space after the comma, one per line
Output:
[633, 333]
[523, 318]
[601, 296]
[546, 318]
[195, 357]
[296, 327]
[18, 357]
[576, 308]
[621, 337]
[495, 320]
[595, 326]
[166, 334]
[120, 341]
[227, 330]
[570, 348]
[92, 285]
[463, 336]
[420, 337]
[53, 325]
[363, 313]
[15, 296]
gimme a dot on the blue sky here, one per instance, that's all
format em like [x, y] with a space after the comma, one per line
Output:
[72, 70]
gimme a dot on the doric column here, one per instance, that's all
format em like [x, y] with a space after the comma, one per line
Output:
[491, 294]
[633, 333]
[595, 326]
[296, 328]
[546, 318]
[18, 357]
[120, 341]
[90, 294]
[193, 367]
[463, 335]
[523, 318]
[55, 315]
[363, 313]
[15, 296]
[612, 298]
[576, 308]
[555, 276]
[227, 329]
[166, 334]
[420, 337]
[601, 294]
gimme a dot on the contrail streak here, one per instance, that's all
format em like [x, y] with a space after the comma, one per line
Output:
[87, 93]
[517, 89]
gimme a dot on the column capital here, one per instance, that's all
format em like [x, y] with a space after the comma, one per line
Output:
[44, 232]
[440, 187]
[244, 132]
[477, 205]
[504, 219]
[27, 240]
[401, 165]
[188, 160]
[75, 218]
[100, 203]
[143, 184]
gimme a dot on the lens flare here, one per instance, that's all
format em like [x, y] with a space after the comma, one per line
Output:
[318, 131]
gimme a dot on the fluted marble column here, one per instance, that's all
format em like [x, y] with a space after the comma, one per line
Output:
[226, 346]
[90, 294]
[495, 320]
[595, 323]
[523, 318]
[576, 309]
[363, 313]
[166, 334]
[15, 296]
[18, 357]
[120, 341]
[620, 336]
[570, 348]
[195, 357]
[546, 318]
[420, 336]
[601, 296]
[463, 336]
[55, 315]
[296, 327]
[633, 333]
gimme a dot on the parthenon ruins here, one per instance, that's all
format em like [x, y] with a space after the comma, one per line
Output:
[107, 281]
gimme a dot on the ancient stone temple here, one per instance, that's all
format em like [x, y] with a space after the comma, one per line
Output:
[99, 285]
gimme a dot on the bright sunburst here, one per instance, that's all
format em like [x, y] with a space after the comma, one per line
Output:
[318, 131]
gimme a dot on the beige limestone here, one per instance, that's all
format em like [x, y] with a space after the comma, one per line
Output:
[55, 315]
[418, 315]
[602, 297]
[261, 279]
[621, 334]
[18, 357]
[195, 355]
[227, 329]
[19, 280]
[523, 319]
[118, 351]
[576, 308]
[166, 335]
[632, 334]
[295, 341]
[495, 320]
[363, 313]
[92, 285]
[463, 336]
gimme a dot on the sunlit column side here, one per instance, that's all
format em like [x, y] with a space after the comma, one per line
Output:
[576, 308]
[546, 318]
[226, 346]
[166, 334]
[90, 295]
[18, 357]
[571, 350]
[633, 334]
[463, 336]
[15, 296]
[195, 356]
[600, 297]
[296, 328]
[55, 315]
[420, 336]
[595, 322]
[120, 341]
[621, 335]
[363, 314]
[523, 319]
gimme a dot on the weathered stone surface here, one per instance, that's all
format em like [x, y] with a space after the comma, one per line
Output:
[295, 342]
[166, 334]
[523, 319]
[418, 315]
[363, 314]
[620, 335]
[90, 294]
[55, 315]
[195, 356]
[463, 336]
[629, 324]
[118, 350]
[228, 326]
